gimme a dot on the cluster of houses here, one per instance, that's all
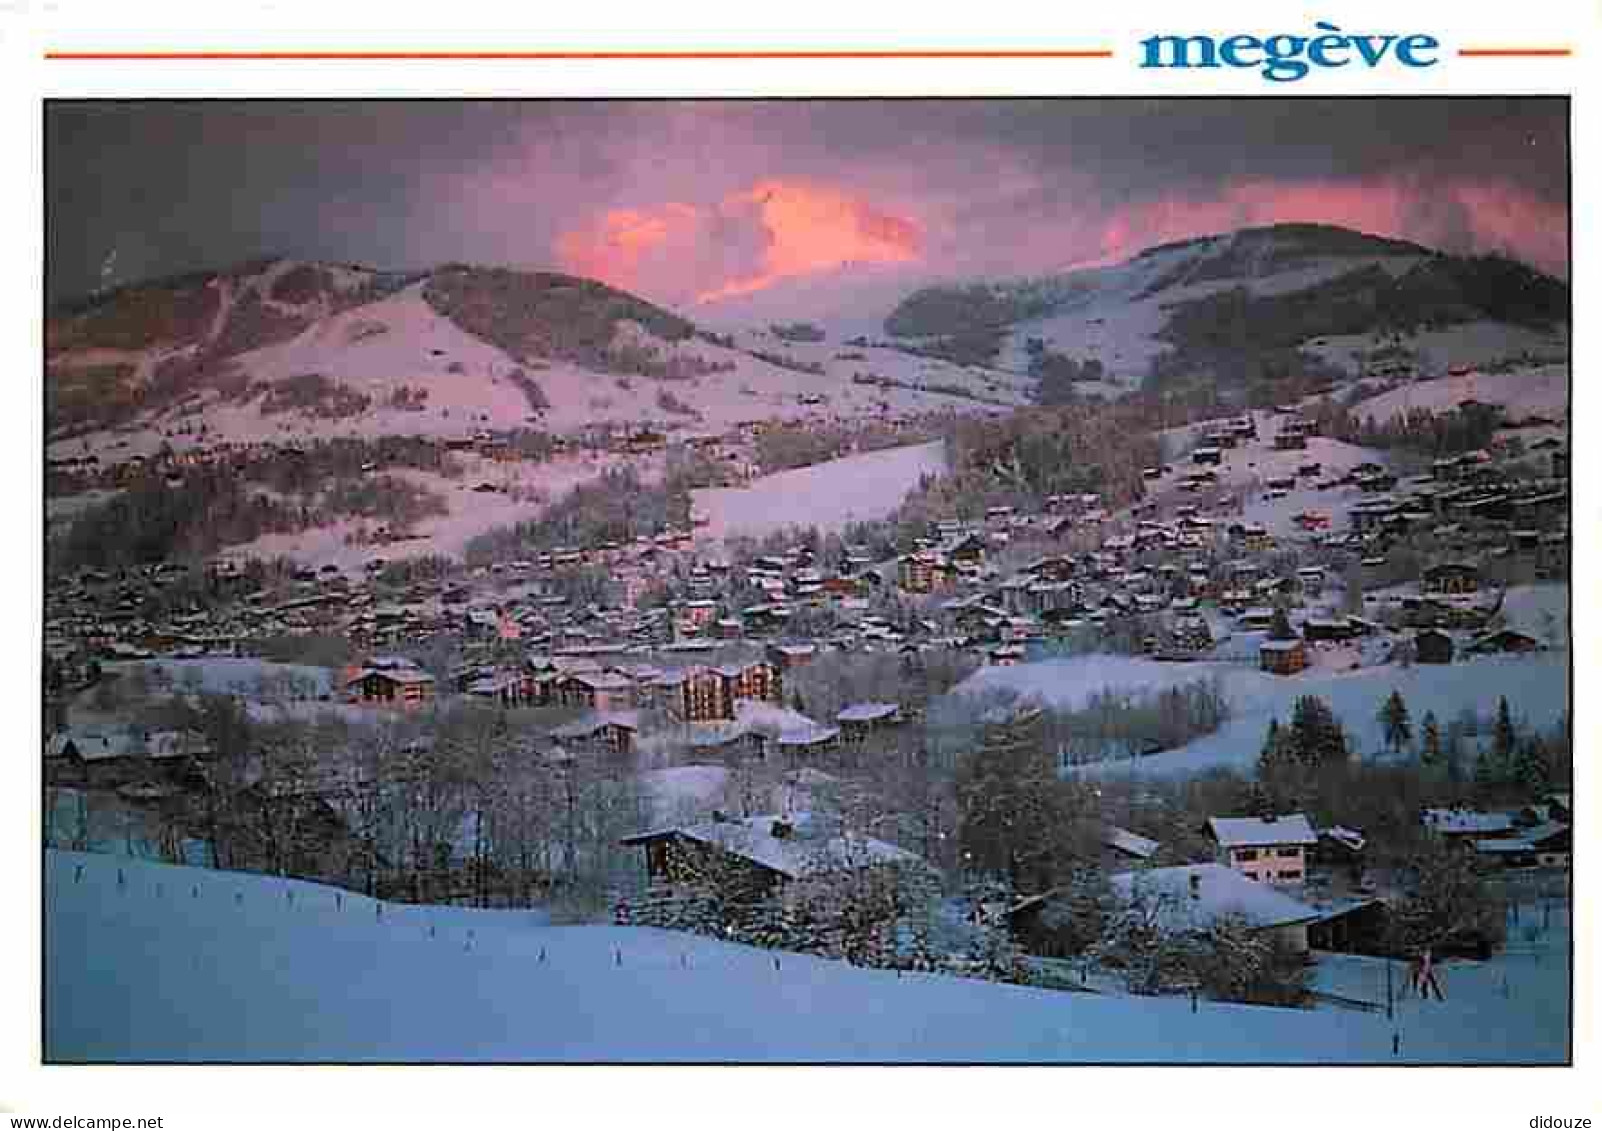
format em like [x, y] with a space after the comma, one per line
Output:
[1304, 887]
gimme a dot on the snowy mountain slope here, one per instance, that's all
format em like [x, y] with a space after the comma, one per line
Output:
[1540, 390]
[187, 965]
[225, 357]
[1536, 686]
[826, 495]
[1123, 314]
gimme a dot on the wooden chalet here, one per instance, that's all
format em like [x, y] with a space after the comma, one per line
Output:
[1451, 578]
[390, 681]
[1432, 646]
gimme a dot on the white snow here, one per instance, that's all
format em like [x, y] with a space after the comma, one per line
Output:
[222, 966]
[1197, 895]
[1512, 1009]
[826, 495]
[1243, 832]
[1541, 389]
[1536, 687]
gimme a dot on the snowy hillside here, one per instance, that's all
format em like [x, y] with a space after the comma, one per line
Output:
[1536, 686]
[826, 495]
[1123, 315]
[227, 358]
[1541, 390]
[155, 962]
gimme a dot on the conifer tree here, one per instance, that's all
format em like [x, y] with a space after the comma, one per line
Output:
[1532, 766]
[1503, 736]
[1316, 736]
[1398, 726]
[1431, 753]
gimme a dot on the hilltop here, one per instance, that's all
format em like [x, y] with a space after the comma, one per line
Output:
[1224, 311]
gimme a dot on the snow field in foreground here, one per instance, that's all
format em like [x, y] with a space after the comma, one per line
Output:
[184, 964]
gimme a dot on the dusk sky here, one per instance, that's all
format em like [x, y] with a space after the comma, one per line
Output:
[699, 203]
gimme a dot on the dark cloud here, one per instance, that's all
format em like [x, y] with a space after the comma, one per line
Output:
[996, 186]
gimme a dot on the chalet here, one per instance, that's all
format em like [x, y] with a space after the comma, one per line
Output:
[1125, 846]
[1207, 455]
[1547, 845]
[1451, 577]
[1319, 629]
[509, 689]
[1339, 846]
[775, 856]
[1311, 579]
[920, 572]
[1288, 441]
[600, 691]
[1272, 849]
[859, 720]
[1193, 897]
[1358, 925]
[390, 681]
[787, 656]
[609, 731]
[1255, 619]
[1432, 646]
[1504, 640]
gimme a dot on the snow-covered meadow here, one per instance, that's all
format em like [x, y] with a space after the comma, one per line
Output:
[1536, 686]
[150, 962]
[826, 495]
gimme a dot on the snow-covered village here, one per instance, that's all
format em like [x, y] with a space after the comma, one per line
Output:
[1165, 660]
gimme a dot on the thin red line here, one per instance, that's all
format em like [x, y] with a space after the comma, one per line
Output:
[1514, 52]
[567, 55]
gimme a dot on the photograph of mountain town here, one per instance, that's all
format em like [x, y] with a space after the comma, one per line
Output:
[933, 581]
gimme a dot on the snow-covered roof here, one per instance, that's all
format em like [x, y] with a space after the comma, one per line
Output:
[1132, 843]
[814, 735]
[1465, 821]
[589, 724]
[1217, 892]
[801, 851]
[1351, 838]
[1545, 831]
[1281, 645]
[1249, 832]
[866, 712]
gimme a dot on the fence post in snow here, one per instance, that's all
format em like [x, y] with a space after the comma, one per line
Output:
[194, 891]
[239, 898]
[1396, 1044]
[122, 880]
[617, 954]
[339, 901]
[542, 954]
[77, 874]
